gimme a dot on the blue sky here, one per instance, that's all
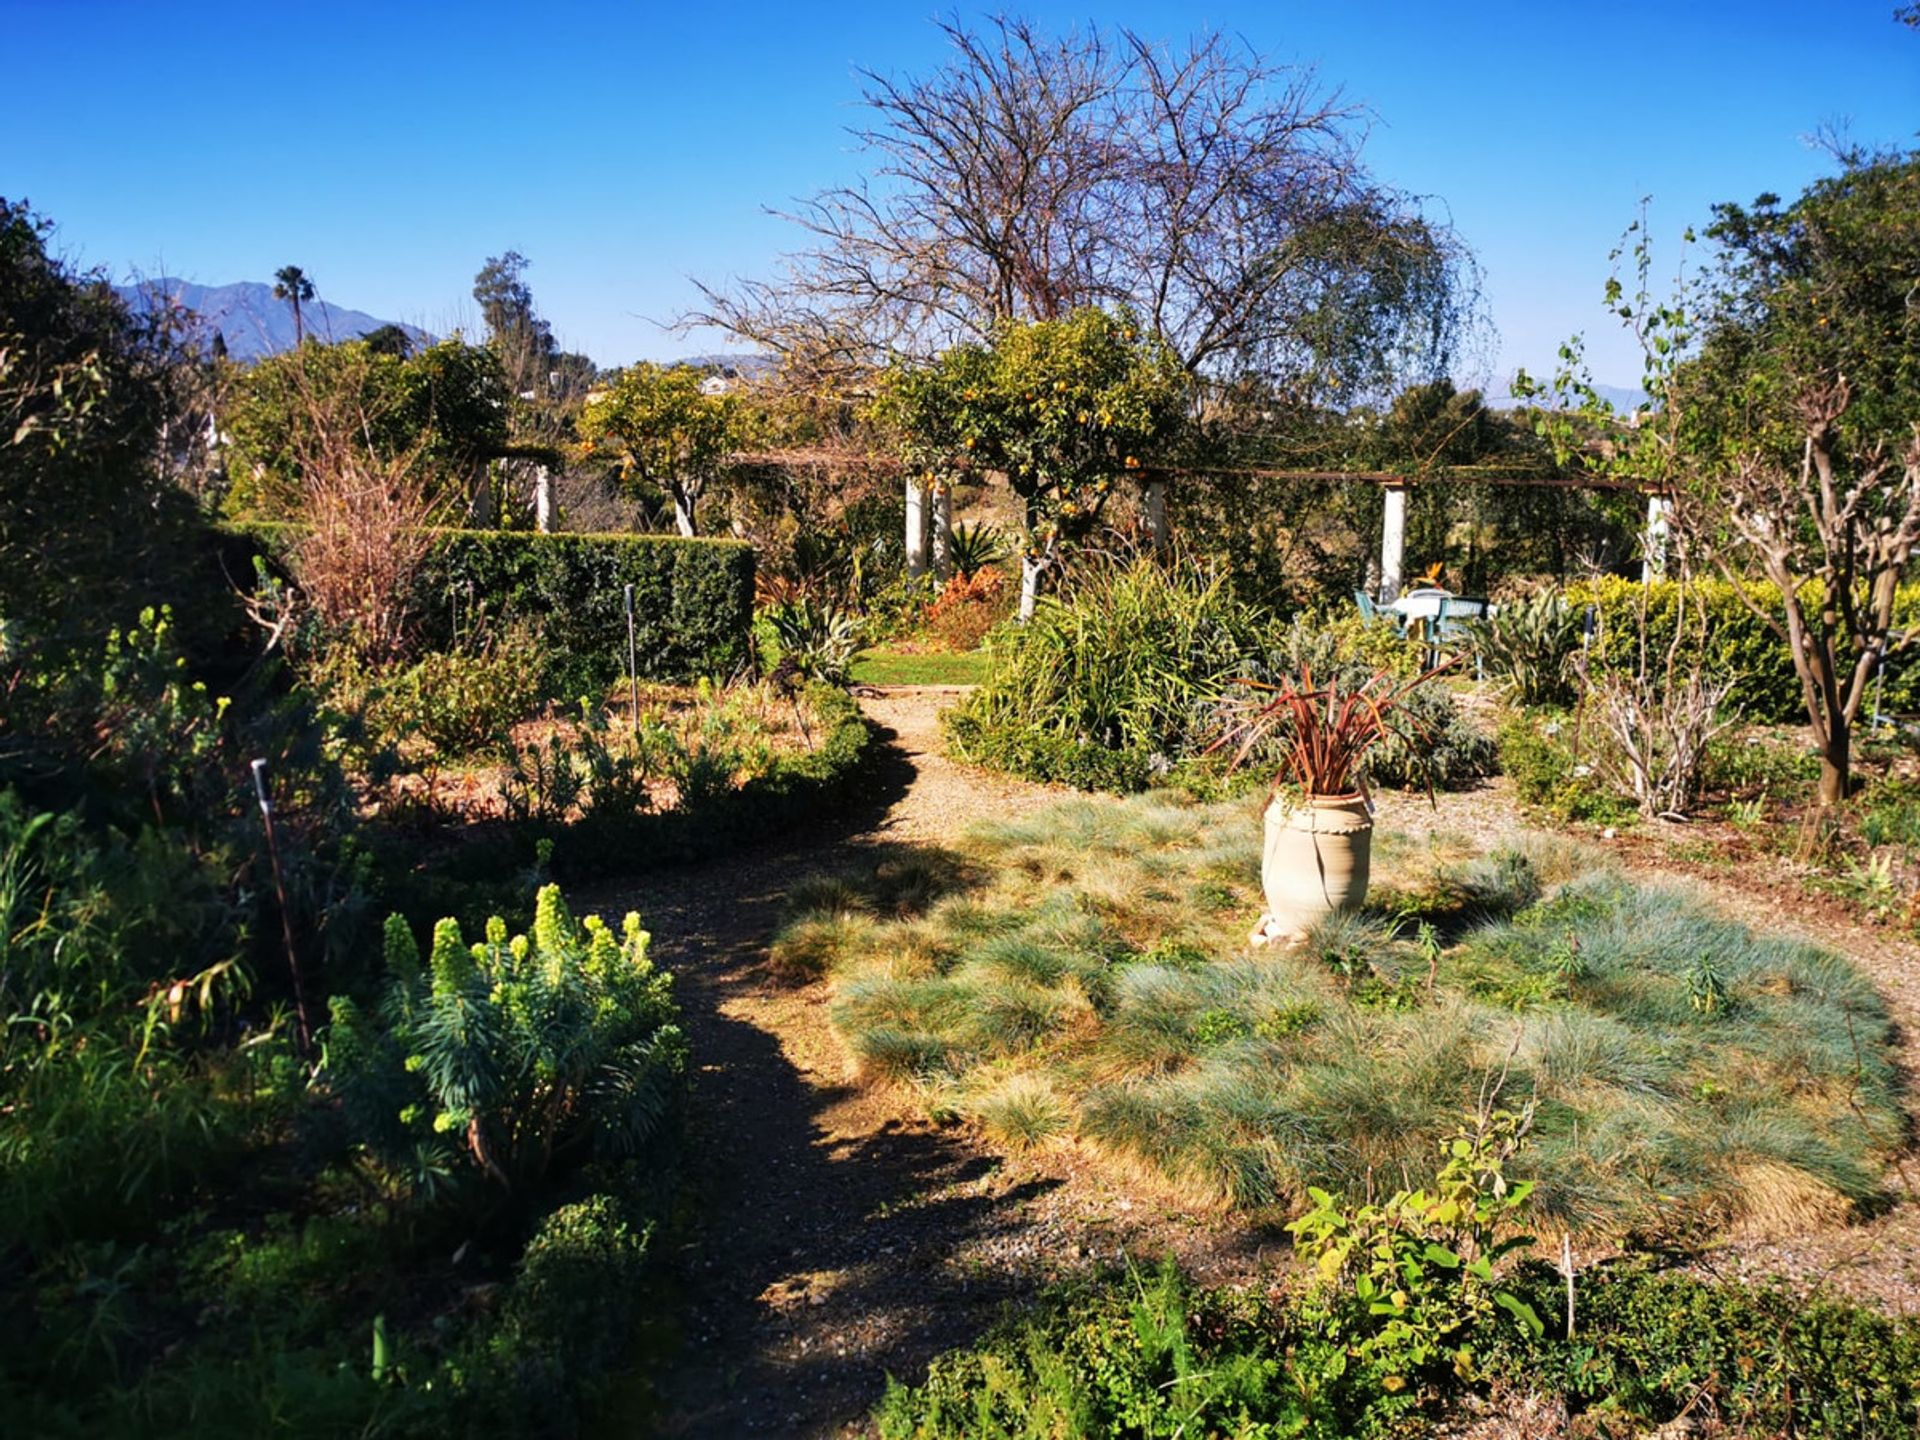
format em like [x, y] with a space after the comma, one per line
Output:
[389, 148]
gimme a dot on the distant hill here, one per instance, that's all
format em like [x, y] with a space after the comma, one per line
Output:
[253, 323]
[1624, 398]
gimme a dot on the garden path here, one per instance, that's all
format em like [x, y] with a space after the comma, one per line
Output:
[834, 1234]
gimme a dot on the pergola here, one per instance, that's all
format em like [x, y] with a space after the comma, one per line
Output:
[929, 521]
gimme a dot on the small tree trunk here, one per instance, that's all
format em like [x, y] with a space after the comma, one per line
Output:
[1031, 569]
[683, 517]
[1836, 762]
[1153, 514]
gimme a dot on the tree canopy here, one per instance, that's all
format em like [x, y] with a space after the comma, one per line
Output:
[87, 518]
[1219, 196]
[1064, 408]
[444, 410]
[662, 428]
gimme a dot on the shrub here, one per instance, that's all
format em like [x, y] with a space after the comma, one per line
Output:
[457, 702]
[502, 1060]
[1122, 683]
[1528, 646]
[1537, 754]
[591, 793]
[1109, 684]
[810, 639]
[1737, 644]
[967, 608]
[1410, 1281]
[565, 1321]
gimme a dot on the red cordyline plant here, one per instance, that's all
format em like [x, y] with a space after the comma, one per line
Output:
[1325, 732]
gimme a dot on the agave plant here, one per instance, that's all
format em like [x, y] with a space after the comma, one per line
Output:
[974, 547]
[817, 641]
[1529, 645]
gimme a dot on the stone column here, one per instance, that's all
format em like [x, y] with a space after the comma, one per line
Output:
[1393, 543]
[916, 529]
[941, 542]
[1153, 513]
[1653, 552]
[543, 499]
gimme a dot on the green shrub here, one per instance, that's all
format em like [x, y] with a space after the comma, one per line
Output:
[461, 701]
[1154, 1356]
[590, 794]
[1738, 644]
[1536, 753]
[1110, 683]
[1122, 682]
[496, 1062]
[1528, 646]
[811, 640]
[565, 1322]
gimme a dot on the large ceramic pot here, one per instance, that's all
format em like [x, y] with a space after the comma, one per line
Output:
[1315, 861]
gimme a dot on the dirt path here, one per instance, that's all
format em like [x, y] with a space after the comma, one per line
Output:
[837, 1234]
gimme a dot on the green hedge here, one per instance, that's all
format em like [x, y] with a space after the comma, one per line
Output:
[692, 599]
[1737, 643]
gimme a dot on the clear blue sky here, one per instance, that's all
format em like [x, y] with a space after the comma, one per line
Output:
[389, 148]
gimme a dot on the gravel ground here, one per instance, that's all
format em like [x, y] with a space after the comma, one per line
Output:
[837, 1235]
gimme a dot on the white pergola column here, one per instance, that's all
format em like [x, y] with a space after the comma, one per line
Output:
[916, 529]
[1153, 513]
[1653, 544]
[543, 499]
[1393, 543]
[940, 543]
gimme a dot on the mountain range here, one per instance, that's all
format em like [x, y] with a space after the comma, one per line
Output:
[251, 321]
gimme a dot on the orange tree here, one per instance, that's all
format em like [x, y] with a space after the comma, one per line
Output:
[663, 429]
[1061, 408]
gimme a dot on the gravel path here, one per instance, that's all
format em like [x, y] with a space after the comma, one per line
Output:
[838, 1234]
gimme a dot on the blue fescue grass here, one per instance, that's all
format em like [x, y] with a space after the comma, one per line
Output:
[1094, 980]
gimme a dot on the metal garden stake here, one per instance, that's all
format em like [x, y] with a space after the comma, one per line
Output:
[633, 665]
[286, 919]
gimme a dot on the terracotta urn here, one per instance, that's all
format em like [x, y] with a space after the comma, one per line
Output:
[1315, 861]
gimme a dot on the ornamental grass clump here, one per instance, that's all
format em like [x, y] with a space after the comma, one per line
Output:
[498, 1064]
[1073, 985]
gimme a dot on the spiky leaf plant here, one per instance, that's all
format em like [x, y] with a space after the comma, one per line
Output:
[499, 1062]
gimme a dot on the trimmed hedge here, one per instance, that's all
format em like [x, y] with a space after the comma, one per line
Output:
[1738, 644]
[692, 599]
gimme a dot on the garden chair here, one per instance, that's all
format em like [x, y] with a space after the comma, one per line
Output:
[1450, 625]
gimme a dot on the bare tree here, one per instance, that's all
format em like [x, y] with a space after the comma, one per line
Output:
[1219, 196]
[1835, 535]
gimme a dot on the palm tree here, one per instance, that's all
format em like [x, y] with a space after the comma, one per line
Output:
[292, 285]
